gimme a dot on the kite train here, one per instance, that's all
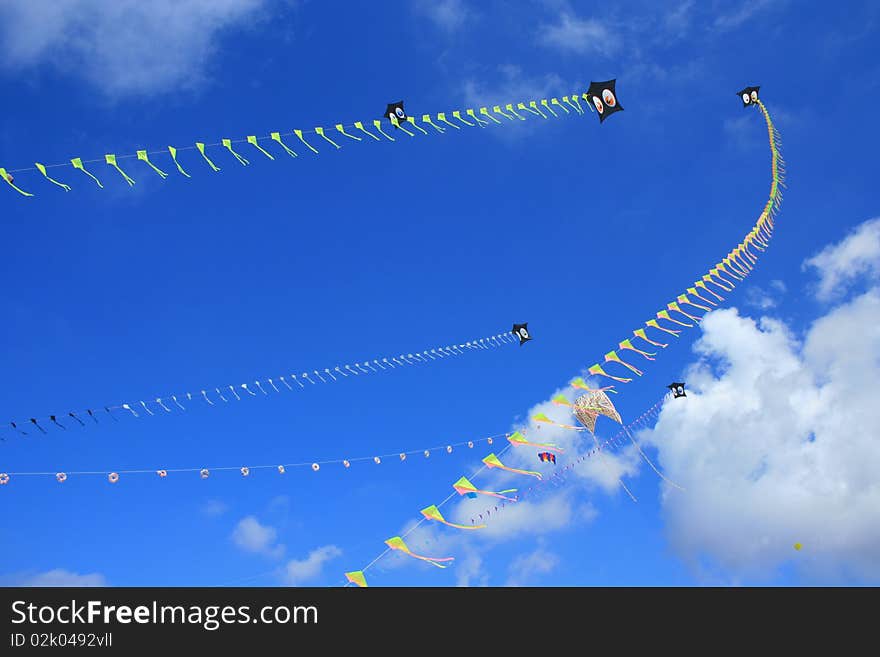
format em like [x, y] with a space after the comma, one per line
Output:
[229, 393]
[601, 95]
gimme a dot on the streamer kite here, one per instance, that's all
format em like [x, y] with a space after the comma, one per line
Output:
[357, 577]
[433, 513]
[464, 487]
[706, 292]
[492, 461]
[397, 543]
[517, 439]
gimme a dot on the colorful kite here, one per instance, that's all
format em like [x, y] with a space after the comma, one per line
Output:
[464, 487]
[395, 113]
[396, 543]
[433, 513]
[517, 439]
[357, 577]
[547, 457]
[492, 461]
[541, 417]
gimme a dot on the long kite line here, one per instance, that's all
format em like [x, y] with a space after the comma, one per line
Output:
[246, 470]
[260, 387]
[737, 264]
[357, 131]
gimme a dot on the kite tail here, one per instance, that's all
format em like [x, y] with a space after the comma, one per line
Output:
[619, 480]
[627, 344]
[396, 543]
[655, 324]
[648, 461]
[702, 285]
[612, 357]
[640, 333]
[596, 370]
[674, 306]
[663, 314]
[492, 461]
[685, 299]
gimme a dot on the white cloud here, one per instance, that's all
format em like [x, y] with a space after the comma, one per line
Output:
[776, 444]
[251, 536]
[124, 47]
[448, 15]
[765, 299]
[743, 14]
[61, 577]
[524, 568]
[569, 33]
[214, 508]
[299, 571]
[857, 255]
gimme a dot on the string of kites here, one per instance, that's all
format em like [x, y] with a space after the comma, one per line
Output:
[587, 408]
[737, 264]
[264, 387]
[600, 95]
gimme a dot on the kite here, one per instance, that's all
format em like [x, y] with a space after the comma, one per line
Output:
[396, 543]
[433, 513]
[516, 438]
[703, 295]
[604, 98]
[749, 95]
[220, 395]
[588, 407]
[357, 577]
[492, 461]
[522, 332]
[798, 546]
[160, 161]
[247, 470]
[540, 417]
[547, 456]
[464, 487]
[677, 390]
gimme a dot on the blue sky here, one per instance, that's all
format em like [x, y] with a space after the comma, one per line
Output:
[376, 249]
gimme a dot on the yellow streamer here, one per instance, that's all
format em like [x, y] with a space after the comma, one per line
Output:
[252, 140]
[320, 131]
[397, 124]
[341, 129]
[110, 158]
[457, 114]
[509, 108]
[360, 126]
[227, 143]
[78, 164]
[485, 112]
[426, 118]
[144, 157]
[441, 116]
[42, 169]
[276, 137]
[473, 115]
[548, 108]
[173, 152]
[299, 133]
[378, 125]
[8, 179]
[415, 125]
[201, 146]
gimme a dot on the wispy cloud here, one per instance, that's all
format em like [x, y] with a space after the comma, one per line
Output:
[300, 571]
[58, 577]
[856, 256]
[570, 33]
[525, 568]
[743, 13]
[124, 47]
[214, 508]
[250, 535]
[448, 15]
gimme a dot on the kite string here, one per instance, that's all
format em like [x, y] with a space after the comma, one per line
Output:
[394, 362]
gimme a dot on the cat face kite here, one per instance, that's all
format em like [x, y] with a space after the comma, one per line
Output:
[749, 96]
[395, 110]
[604, 98]
[522, 332]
